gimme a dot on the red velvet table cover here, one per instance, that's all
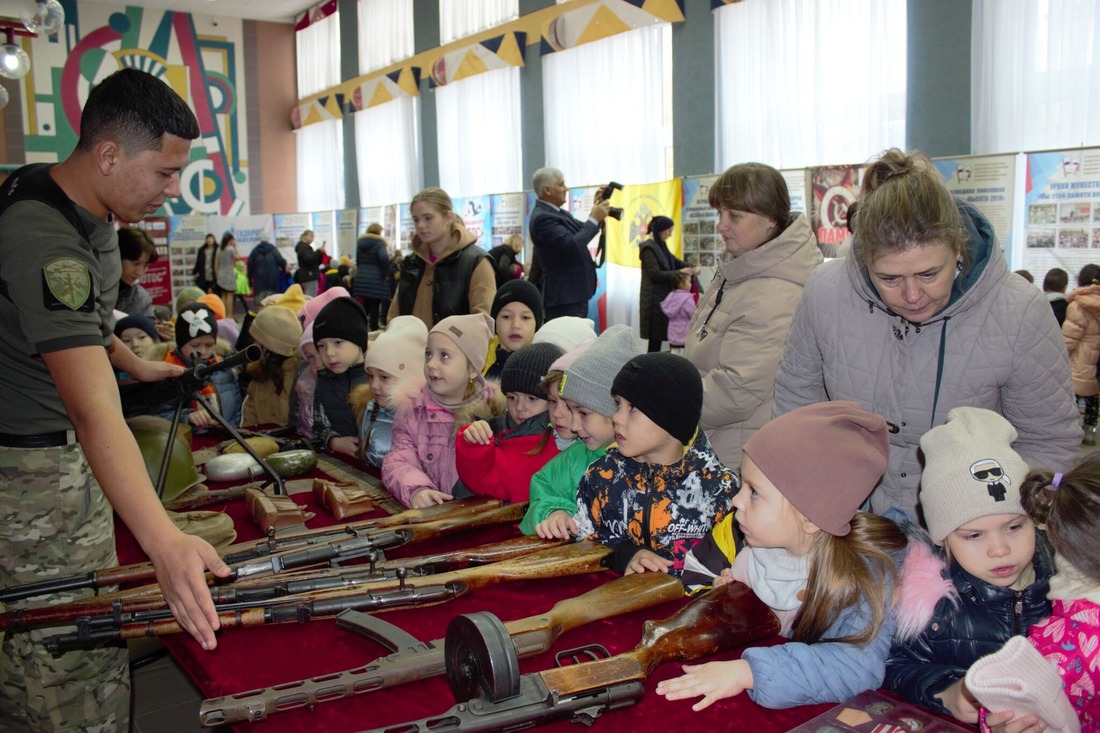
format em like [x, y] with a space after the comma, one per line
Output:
[250, 658]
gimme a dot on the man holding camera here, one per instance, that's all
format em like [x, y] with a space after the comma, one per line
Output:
[561, 245]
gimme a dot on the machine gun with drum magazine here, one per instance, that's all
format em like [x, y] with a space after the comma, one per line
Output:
[414, 660]
[483, 670]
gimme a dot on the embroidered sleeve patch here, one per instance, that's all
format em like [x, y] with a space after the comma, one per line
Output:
[67, 284]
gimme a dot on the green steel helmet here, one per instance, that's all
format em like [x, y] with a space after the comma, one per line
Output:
[151, 434]
[188, 295]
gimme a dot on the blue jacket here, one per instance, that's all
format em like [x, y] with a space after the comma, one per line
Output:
[265, 269]
[568, 273]
[374, 271]
[977, 622]
[380, 423]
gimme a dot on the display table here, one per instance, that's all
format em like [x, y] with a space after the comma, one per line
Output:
[260, 657]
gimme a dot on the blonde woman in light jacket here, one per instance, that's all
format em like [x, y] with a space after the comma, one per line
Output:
[741, 324]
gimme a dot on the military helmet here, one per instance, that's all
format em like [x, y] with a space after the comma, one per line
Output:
[188, 295]
[151, 434]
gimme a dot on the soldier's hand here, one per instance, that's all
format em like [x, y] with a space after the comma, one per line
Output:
[181, 561]
[155, 371]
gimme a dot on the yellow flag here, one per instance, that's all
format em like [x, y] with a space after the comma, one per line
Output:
[640, 204]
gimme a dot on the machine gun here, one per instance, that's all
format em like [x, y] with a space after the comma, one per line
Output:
[415, 660]
[437, 521]
[483, 669]
[117, 625]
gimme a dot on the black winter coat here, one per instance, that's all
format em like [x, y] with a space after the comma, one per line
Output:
[984, 619]
[374, 269]
[655, 287]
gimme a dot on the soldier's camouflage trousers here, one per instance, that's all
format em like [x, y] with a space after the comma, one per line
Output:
[55, 521]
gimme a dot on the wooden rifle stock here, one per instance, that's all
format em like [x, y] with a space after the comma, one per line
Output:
[532, 635]
[724, 618]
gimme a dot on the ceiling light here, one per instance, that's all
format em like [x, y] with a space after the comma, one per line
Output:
[42, 17]
[14, 61]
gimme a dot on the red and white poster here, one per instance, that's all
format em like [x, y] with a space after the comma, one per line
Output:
[157, 278]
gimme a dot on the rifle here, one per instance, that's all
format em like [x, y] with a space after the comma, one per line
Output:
[483, 671]
[450, 517]
[148, 597]
[573, 559]
[414, 660]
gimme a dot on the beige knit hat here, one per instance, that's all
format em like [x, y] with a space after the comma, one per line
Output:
[277, 327]
[970, 470]
[399, 350]
[471, 333]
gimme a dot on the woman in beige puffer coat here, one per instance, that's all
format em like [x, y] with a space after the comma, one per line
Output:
[1081, 332]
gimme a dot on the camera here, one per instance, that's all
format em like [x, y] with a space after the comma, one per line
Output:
[615, 212]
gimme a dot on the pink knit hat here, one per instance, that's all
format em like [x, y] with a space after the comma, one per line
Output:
[824, 458]
[310, 310]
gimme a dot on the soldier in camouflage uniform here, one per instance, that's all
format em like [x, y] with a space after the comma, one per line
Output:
[66, 455]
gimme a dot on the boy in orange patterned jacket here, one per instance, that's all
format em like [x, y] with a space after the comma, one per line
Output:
[660, 488]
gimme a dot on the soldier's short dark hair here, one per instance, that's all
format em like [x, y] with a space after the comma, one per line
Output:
[135, 109]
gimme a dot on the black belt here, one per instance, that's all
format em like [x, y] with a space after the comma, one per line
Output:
[42, 440]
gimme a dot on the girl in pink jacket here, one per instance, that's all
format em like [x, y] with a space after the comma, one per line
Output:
[420, 468]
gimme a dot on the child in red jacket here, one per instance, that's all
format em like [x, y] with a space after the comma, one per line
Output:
[498, 457]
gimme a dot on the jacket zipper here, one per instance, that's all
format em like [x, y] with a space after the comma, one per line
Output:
[645, 514]
[1017, 611]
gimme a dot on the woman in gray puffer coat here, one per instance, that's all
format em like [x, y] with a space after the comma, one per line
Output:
[740, 325]
[924, 316]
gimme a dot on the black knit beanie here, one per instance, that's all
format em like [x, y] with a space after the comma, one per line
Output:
[194, 320]
[342, 318]
[141, 322]
[526, 368]
[667, 389]
[519, 291]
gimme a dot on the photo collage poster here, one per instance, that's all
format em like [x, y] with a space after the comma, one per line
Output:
[1062, 215]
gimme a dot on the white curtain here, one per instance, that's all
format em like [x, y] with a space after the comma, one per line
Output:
[809, 82]
[1035, 75]
[318, 48]
[613, 124]
[461, 18]
[387, 152]
[321, 166]
[385, 33]
[478, 130]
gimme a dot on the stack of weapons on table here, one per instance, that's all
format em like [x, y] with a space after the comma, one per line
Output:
[276, 580]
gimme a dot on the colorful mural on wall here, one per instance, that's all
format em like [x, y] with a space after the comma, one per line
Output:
[198, 56]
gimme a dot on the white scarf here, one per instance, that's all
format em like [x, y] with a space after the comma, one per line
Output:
[776, 576]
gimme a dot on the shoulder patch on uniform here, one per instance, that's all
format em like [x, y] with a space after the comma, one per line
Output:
[68, 284]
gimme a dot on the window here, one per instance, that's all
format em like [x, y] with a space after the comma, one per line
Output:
[387, 152]
[461, 18]
[321, 166]
[1035, 78]
[808, 82]
[385, 33]
[318, 46]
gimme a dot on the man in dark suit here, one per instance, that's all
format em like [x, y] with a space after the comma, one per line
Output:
[561, 246]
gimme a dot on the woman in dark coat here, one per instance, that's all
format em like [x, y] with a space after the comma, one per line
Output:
[659, 269]
[204, 265]
[373, 274]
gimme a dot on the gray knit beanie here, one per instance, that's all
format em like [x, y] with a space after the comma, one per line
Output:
[970, 470]
[588, 380]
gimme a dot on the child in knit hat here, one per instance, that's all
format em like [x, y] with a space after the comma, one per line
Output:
[340, 333]
[517, 312]
[420, 468]
[824, 567]
[395, 371]
[991, 576]
[196, 333]
[660, 488]
[137, 332]
[498, 457]
[1052, 681]
[585, 389]
[270, 380]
